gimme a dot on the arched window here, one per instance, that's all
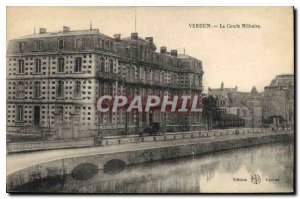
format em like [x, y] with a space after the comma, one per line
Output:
[20, 90]
[102, 64]
[60, 89]
[21, 66]
[37, 89]
[77, 91]
[78, 43]
[19, 116]
[38, 66]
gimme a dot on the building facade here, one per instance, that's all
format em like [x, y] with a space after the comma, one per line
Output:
[278, 101]
[55, 78]
[245, 105]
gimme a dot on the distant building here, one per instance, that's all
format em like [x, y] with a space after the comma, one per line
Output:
[55, 78]
[278, 101]
[244, 105]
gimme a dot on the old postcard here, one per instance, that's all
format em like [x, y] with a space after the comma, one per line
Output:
[150, 100]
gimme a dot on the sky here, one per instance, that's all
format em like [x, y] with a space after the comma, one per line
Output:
[236, 56]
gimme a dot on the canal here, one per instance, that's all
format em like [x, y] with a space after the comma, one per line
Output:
[263, 168]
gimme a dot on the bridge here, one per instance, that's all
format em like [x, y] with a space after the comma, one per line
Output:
[31, 166]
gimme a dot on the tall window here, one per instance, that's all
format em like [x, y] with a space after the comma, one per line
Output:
[78, 63]
[98, 45]
[21, 46]
[111, 46]
[20, 90]
[38, 66]
[60, 89]
[61, 65]
[78, 43]
[102, 43]
[37, 89]
[21, 66]
[61, 44]
[19, 116]
[77, 91]
[102, 64]
[38, 45]
[111, 65]
[60, 111]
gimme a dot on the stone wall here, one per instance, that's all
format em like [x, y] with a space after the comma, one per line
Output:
[65, 166]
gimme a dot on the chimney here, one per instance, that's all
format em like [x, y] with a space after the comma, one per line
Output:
[150, 39]
[174, 53]
[134, 35]
[66, 29]
[117, 37]
[42, 30]
[163, 50]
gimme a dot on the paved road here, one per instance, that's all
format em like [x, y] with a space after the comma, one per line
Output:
[17, 161]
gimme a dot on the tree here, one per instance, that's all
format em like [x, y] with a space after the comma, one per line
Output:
[210, 110]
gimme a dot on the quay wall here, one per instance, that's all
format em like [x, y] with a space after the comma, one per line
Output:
[66, 165]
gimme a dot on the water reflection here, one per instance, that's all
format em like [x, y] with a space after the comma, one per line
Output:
[206, 173]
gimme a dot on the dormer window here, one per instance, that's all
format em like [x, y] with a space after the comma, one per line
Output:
[78, 43]
[38, 45]
[21, 46]
[61, 44]
[111, 46]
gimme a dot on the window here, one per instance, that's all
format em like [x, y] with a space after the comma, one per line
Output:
[61, 65]
[107, 45]
[38, 45]
[78, 43]
[102, 43]
[98, 45]
[19, 116]
[111, 65]
[77, 91]
[102, 65]
[38, 66]
[21, 66]
[111, 46]
[77, 110]
[37, 89]
[61, 44]
[60, 109]
[78, 63]
[20, 90]
[21, 46]
[60, 89]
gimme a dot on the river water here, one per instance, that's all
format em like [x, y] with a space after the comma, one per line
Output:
[263, 168]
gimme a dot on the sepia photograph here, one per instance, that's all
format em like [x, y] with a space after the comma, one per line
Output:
[150, 100]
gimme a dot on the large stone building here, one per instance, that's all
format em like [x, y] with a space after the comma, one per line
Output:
[278, 101]
[244, 105]
[55, 78]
